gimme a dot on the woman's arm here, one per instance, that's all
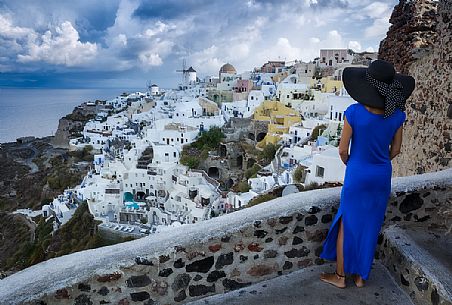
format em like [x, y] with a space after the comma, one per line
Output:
[344, 142]
[396, 143]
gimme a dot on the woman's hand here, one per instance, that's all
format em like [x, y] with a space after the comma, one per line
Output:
[344, 142]
[396, 143]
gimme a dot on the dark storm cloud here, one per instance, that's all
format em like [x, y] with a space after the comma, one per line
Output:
[164, 9]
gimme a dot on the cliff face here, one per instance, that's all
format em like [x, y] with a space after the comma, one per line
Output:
[412, 33]
[419, 43]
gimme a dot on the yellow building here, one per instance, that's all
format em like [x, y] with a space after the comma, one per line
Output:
[327, 84]
[280, 118]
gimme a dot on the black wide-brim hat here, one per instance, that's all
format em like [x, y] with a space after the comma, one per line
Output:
[362, 91]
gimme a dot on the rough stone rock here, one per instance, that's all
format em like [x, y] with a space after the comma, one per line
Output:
[159, 287]
[164, 258]
[270, 253]
[235, 272]
[143, 261]
[103, 291]
[257, 224]
[138, 281]
[421, 283]
[139, 296]
[280, 231]
[199, 290]
[123, 302]
[226, 239]
[215, 275]
[83, 299]
[197, 278]
[287, 265]
[233, 285]
[282, 240]
[260, 270]
[165, 272]
[180, 296]
[224, 260]
[310, 220]
[202, 266]
[297, 252]
[179, 263]
[239, 247]
[193, 254]
[410, 203]
[109, 277]
[314, 210]
[181, 281]
[84, 287]
[285, 220]
[326, 218]
[62, 294]
[243, 258]
[268, 240]
[255, 247]
[403, 280]
[179, 249]
[260, 233]
[215, 248]
[271, 222]
[317, 235]
[298, 229]
[296, 241]
[304, 263]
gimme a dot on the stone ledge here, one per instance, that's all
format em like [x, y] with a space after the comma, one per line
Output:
[422, 276]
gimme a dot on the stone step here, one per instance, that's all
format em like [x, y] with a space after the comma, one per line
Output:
[304, 287]
[420, 260]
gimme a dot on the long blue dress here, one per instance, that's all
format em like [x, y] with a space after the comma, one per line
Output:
[366, 189]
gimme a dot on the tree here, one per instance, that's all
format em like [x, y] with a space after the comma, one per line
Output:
[317, 132]
[298, 174]
[209, 139]
[268, 153]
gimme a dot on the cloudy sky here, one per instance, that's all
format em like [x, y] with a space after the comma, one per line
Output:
[125, 43]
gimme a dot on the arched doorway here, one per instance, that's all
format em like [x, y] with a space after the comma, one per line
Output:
[213, 172]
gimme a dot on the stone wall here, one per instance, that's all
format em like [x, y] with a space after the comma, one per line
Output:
[218, 255]
[420, 43]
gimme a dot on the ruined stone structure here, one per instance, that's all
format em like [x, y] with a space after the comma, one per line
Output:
[229, 253]
[419, 43]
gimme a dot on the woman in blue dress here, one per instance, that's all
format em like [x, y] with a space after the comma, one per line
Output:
[374, 126]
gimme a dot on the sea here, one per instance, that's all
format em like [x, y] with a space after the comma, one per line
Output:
[36, 111]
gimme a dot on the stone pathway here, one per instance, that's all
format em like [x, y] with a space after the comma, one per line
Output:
[303, 287]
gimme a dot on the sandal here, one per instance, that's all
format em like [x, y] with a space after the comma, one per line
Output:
[333, 283]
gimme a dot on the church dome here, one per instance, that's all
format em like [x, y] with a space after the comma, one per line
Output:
[228, 68]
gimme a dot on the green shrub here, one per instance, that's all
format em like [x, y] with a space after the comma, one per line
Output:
[298, 174]
[190, 161]
[261, 199]
[268, 153]
[209, 139]
[242, 187]
[252, 172]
